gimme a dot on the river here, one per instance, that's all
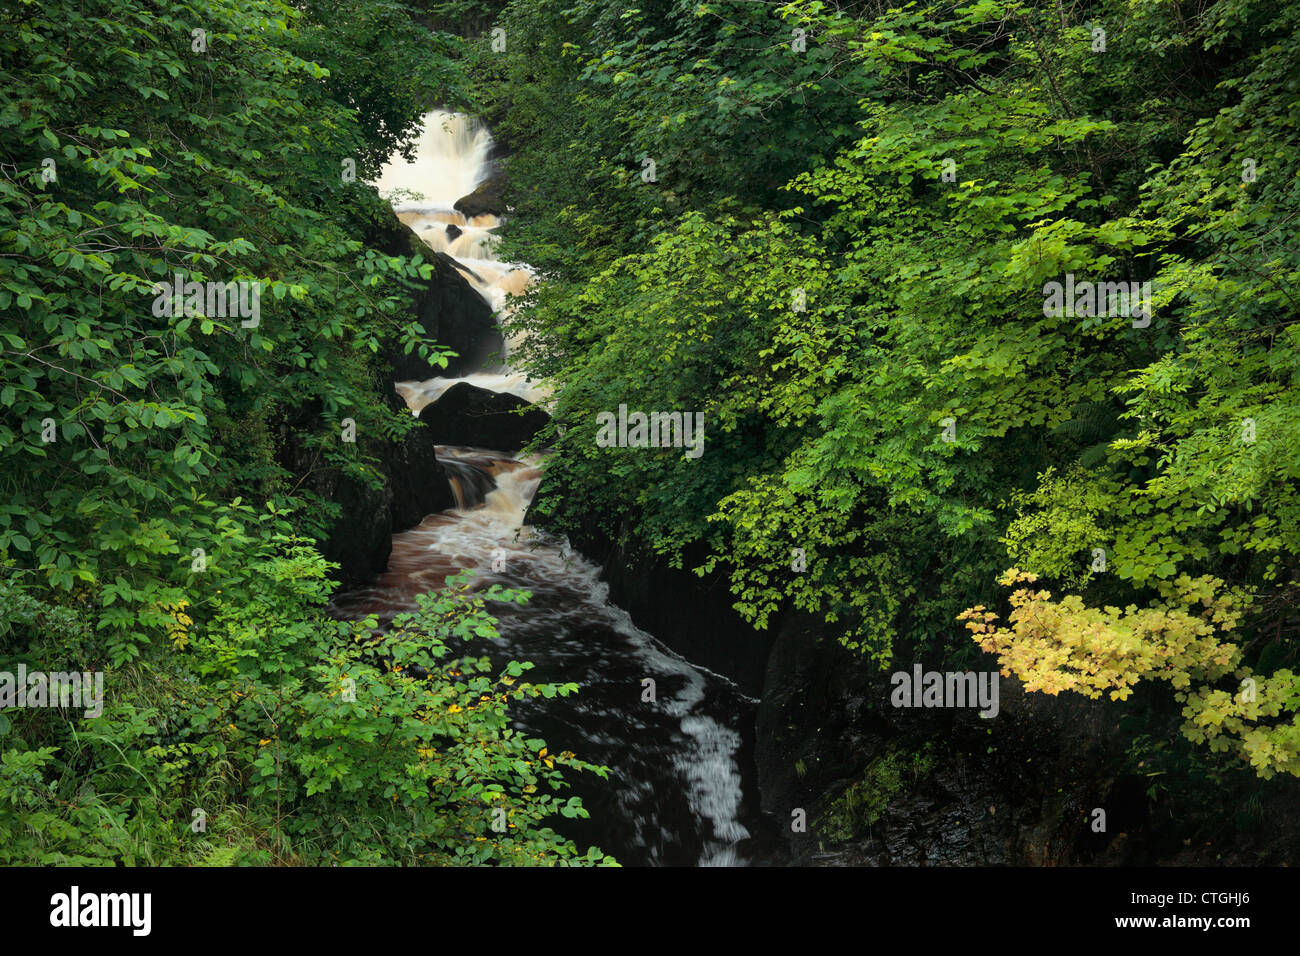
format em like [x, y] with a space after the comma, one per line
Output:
[676, 794]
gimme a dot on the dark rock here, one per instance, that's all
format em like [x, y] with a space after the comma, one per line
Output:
[1017, 789]
[464, 269]
[447, 307]
[360, 539]
[416, 478]
[391, 236]
[407, 483]
[453, 232]
[697, 620]
[487, 199]
[468, 415]
[800, 750]
[453, 315]
[1015, 795]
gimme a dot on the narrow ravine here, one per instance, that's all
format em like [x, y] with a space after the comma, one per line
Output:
[676, 794]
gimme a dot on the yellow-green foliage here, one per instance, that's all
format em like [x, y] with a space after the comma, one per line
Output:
[1056, 521]
[1064, 645]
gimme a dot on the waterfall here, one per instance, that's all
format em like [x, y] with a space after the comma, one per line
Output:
[676, 793]
[451, 161]
[452, 158]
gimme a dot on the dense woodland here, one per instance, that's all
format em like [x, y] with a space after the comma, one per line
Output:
[828, 227]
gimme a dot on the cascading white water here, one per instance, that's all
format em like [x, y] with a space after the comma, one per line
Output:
[451, 161]
[570, 625]
[452, 158]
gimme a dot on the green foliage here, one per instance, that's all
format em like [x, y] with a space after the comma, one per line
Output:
[224, 166]
[299, 738]
[150, 530]
[1059, 525]
[974, 152]
[589, 91]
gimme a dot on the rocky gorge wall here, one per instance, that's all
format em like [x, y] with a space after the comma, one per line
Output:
[886, 786]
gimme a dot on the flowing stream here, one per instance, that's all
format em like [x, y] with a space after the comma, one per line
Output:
[676, 794]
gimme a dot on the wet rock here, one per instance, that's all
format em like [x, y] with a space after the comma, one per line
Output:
[468, 415]
[896, 786]
[1018, 789]
[416, 478]
[447, 307]
[812, 727]
[403, 481]
[452, 314]
[360, 538]
[487, 199]
[699, 621]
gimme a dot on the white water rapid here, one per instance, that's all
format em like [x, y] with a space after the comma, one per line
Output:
[676, 793]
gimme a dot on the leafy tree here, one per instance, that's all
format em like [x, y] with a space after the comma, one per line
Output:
[148, 532]
[882, 386]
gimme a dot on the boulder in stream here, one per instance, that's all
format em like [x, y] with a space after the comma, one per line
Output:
[487, 199]
[468, 415]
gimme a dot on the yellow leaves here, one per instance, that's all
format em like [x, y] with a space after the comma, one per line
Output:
[1014, 576]
[1065, 645]
[455, 709]
[263, 743]
[178, 628]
